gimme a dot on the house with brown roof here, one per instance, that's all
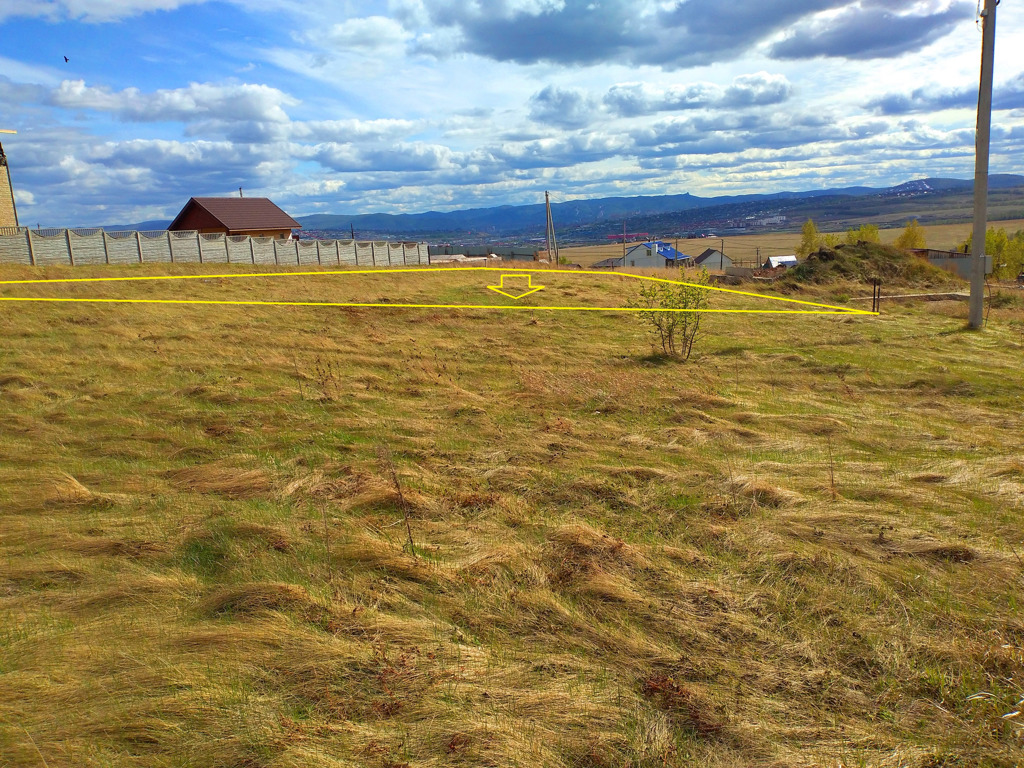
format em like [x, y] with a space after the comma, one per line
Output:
[254, 216]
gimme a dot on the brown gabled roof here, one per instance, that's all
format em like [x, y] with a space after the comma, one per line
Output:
[241, 213]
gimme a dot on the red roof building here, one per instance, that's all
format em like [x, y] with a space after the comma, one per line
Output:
[255, 216]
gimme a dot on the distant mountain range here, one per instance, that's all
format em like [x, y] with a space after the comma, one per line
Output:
[507, 220]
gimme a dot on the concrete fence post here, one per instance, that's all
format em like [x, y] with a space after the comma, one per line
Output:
[71, 253]
[252, 250]
[138, 242]
[31, 250]
[170, 246]
[199, 245]
[227, 252]
[274, 243]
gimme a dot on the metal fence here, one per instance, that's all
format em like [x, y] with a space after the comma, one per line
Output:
[76, 247]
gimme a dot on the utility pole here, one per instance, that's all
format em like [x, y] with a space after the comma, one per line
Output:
[552, 241]
[976, 311]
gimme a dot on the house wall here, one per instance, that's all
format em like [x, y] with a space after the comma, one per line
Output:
[196, 219]
[642, 256]
[717, 261]
[277, 234]
[8, 214]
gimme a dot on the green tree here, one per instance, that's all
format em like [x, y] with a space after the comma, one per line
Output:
[1007, 252]
[868, 233]
[912, 236]
[809, 240]
[676, 331]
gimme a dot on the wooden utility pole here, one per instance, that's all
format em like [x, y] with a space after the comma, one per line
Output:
[976, 311]
[552, 240]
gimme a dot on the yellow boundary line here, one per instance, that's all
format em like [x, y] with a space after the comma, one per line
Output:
[832, 310]
[428, 306]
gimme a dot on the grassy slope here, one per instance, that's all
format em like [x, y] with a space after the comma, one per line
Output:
[798, 549]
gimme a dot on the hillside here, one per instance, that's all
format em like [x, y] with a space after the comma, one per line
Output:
[864, 262]
[660, 213]
[788, 552]
[936, 200]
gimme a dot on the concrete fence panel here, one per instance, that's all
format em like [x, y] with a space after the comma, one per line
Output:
[347, 252]
[14, 249]
[263, 250]
[85, 246]
[308, 253]
[77, 247]
[155, 246]
[185, 248]
[366, 255]
[49, 249]
[239, 250]
[122, 247]
[214, 249]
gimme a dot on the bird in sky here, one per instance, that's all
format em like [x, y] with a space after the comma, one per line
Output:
[65, 59]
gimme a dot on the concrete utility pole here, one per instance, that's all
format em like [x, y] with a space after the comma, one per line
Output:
[976, 311]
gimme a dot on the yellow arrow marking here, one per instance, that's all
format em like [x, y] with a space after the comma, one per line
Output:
[529, 284]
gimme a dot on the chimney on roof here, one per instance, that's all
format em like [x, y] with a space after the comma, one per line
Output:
[240, 192]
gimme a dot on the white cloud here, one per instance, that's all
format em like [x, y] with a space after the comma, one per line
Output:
[198, 101]
[752, 90]
[374, 33]
[88, 10]
[359, 105]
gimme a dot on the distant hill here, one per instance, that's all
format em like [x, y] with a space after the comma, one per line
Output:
[639, 212]
[508, 220]
[143, 226]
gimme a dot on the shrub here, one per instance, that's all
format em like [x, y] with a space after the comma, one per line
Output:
[661, 304]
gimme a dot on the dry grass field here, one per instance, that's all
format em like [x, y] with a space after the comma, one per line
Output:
[759, 247]
[802, 548]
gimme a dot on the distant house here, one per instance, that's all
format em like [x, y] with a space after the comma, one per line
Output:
[656, 254]
[255, 216]
[774, 262]
[608, 263]
[713, 259]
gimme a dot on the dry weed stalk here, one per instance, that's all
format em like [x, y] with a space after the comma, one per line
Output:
[327, 545]
[384, 454]
[832, 471]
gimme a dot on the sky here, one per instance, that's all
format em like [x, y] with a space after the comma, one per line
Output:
[403, 106]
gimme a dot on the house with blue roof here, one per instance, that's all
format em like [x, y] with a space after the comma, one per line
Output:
[656, 254]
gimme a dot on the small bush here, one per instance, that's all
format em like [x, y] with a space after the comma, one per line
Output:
[671, 312]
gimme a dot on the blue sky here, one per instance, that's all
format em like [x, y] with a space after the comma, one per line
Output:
[354, 106]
